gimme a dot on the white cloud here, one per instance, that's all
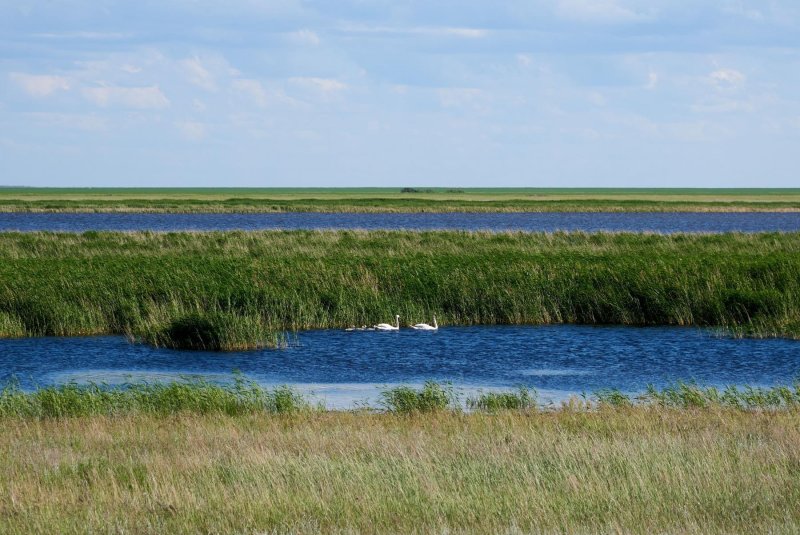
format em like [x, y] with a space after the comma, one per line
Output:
[600, 11]
[304, 37]
[459, 97]
[724, 106]
[192, 130]
[198, 74]
[652, 80]
[149, 97]
[87, 36]
[739, 9]
[524, 60]
[78, 121]
[727, 78]
[596, 98]
[253, 89]
[40, 85]
[469, 33]
[436, 31]
[326, 85]
[130, 69]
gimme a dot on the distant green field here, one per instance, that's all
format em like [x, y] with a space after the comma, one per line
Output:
[303, 192]
[16, 199]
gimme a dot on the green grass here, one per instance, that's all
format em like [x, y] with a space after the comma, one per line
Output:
[241, 396]
[203, 459]
[196, 396]
[430, 398]
[521, 399]
[188, 200]
[236, 290]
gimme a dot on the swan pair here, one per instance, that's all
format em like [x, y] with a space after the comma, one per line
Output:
[396, 326]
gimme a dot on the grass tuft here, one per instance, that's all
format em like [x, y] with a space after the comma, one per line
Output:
[431, 397]
[195, 396]
[684, 395]
[521, 399]
[212, 331]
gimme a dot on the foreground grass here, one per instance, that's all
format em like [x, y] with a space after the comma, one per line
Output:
[237, 290]
[631, 470]
[256, 200]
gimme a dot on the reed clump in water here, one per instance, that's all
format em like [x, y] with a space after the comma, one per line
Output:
[236, 290]
[212, 331]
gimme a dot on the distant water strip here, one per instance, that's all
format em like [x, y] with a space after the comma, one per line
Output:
[665, 223]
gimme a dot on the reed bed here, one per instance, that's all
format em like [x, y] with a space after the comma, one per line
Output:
[612, 469]
[195, 396]
[239, 290]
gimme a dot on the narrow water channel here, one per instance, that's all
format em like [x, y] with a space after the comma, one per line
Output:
[343, 368]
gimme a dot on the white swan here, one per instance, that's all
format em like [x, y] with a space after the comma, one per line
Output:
[387, 327]
[426, 327]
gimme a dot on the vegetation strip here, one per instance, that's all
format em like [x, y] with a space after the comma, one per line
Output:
[242, 396]
[387, 205]
[188, 469]
[388, 200]
[237, 290]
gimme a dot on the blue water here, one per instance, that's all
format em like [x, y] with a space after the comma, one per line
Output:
[590, 222]
[343, 368]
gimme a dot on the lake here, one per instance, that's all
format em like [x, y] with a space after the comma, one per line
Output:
[541, 222]
[342, 368]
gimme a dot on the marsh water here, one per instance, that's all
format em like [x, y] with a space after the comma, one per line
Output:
[543, 222]
[343, 369]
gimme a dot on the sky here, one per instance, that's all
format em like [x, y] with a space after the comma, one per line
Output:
[455, 93]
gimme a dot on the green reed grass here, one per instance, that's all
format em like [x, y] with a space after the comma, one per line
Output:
[431, 397]
[522, 399]
[683, 395]
[195, 396]
[236, 290]
[241, 396]
[83, 461]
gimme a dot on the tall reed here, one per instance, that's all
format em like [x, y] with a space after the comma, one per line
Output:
[235, 290]
[197, 396]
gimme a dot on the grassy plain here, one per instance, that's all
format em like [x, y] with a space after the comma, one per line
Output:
[611, 470]
[237, 290]
[394, 199]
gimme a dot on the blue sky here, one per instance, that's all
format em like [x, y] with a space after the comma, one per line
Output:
[396, 93]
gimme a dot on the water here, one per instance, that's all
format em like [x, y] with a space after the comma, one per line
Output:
[590, 222]
[343, 368]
